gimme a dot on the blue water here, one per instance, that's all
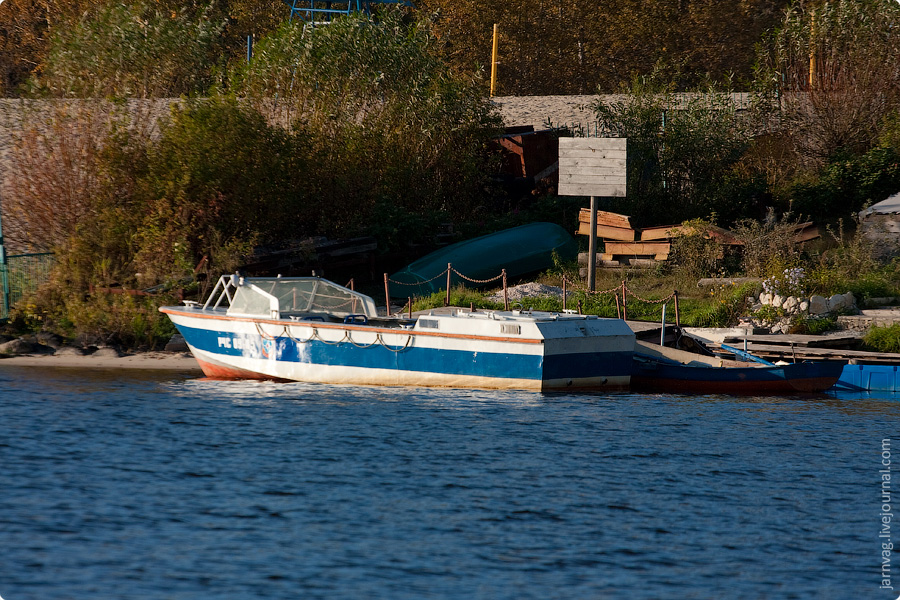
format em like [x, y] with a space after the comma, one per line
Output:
[128, 485]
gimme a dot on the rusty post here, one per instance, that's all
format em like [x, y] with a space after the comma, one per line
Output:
[505, 292]
[449, 269]
[350, 284]
[387, 297]
[618, 308]
[564, 293]
[677, 316]
[409, 302]
[579, 307]
[624, 303]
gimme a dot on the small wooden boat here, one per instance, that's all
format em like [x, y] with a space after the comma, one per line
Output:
[312, 330]
[662, 369]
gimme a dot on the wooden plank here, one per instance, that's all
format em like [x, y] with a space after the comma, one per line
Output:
[812, 341]
[787, 353]
[638, 248]
[595, 156]
[595, 143]
[806, 234]
[580, 189]
[581, 178]
[608, 233]
[605, 218]
[662, 232]
[613, 164]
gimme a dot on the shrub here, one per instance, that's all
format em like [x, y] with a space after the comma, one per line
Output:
[682, 154]
[883, 339]
[694, 254]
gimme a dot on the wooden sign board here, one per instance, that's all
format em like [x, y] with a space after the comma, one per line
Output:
[592, 167]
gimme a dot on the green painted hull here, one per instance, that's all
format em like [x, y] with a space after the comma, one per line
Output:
[520, 250]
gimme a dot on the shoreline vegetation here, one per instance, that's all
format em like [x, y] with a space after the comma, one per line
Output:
[377, 126]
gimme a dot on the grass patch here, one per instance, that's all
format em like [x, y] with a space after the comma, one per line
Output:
[883, 339]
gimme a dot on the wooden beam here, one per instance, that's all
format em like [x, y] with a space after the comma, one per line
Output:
[604, 217]
[638, 248]
[661, 232]
[608, 233]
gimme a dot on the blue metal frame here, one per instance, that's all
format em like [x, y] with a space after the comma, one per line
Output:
[324, 11]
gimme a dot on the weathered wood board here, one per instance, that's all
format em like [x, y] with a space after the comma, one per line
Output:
[605, 218]
[608, 233]
[592, 167]
[638, 248]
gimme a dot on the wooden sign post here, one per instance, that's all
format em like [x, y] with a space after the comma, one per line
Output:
[592, 167]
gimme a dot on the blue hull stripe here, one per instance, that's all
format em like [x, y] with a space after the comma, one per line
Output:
[431, 360]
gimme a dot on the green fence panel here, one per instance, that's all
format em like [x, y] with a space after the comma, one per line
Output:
[22, 275]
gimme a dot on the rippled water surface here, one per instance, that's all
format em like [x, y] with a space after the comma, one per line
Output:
[126, 485]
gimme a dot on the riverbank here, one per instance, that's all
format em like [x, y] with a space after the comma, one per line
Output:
[170, 361]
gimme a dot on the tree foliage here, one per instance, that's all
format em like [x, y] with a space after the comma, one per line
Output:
[140, 50]
[683, 153]
[831, 67]
[576, 47]
[386, 120]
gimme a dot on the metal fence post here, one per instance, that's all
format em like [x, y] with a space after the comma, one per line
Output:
[449, 269]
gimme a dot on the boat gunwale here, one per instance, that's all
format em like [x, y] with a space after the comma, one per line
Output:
[170, 310]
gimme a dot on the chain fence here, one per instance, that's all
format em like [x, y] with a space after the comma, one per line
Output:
[621, 292]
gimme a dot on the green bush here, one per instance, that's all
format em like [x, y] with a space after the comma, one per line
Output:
[883, 339]
[133, 50]
[683, 154]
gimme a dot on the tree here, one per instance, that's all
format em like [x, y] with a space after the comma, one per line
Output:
[831, 69]
[388, 125]
[139, 50]
[683, 153]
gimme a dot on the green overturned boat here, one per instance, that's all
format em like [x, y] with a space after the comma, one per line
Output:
[520, 250]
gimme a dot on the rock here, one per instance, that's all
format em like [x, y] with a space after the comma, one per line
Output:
[818, 305]
[777, 301]
[107, 352]
[177, 344]
[756, 307]
[777, 328]
[68, 351]
[849, 300]
[765, 298]
[16, 346]
[49, 339]
[790, 304]
[804, 306]
[836, 302]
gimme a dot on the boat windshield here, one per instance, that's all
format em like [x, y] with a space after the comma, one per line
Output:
[298, 295]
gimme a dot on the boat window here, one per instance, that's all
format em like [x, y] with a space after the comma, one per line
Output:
[429, 323]
[300, 295]
[247, 301]
[507, 328]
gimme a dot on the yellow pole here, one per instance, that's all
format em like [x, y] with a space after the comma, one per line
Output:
[812, 50]
[494, 59]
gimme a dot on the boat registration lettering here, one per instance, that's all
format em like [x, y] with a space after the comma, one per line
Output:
[225, 342]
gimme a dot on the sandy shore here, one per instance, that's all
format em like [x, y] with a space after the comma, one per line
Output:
[144, 360]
